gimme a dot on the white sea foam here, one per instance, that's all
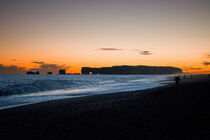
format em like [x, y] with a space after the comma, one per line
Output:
[24, 89]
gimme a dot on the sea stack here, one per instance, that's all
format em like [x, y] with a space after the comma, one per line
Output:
[31, 72]
[62, 71]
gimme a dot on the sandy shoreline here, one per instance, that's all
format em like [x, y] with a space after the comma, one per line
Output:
[165, 113]
[188, 79]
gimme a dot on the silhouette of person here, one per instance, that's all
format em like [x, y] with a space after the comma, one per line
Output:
[184, 76]
[177, 79]
[209, 76]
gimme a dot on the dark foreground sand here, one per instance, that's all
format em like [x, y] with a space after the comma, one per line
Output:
[169, 113]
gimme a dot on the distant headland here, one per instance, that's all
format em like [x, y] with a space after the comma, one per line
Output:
[140, 69]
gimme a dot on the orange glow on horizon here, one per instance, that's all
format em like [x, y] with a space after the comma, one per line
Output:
[77, 68]
[82, 34]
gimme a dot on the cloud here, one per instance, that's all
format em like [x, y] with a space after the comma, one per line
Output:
[208, 55]
[38, 62]
[142, 52]
[206, 63]
[191, 68]
[13, 59]
[145, 52]
[109, 49]
[11, 69]
[46, 67]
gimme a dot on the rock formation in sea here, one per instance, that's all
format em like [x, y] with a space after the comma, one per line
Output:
[31, 72]
[62, 71]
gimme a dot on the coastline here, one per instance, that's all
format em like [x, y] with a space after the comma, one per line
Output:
[196, 78]
[96, 115]
[20, 99]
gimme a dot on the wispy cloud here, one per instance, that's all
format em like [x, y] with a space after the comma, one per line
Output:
[11, 69]
[206, 63]
[191, 68]
[145, 52]
[208, 55]
[38, 62]
[109, 49]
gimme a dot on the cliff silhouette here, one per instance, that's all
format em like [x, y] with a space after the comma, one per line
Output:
[131, 70]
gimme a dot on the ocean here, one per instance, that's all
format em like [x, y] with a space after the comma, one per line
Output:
[26, 89]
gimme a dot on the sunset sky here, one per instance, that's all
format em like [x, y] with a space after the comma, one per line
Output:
[47, 35]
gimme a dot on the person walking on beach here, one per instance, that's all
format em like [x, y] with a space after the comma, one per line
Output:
[177, 79]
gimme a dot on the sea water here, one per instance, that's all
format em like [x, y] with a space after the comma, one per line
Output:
[25, 89]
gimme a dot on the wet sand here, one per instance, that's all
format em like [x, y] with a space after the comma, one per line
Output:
[166, 113]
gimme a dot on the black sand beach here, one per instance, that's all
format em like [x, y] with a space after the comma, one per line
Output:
[169, 113]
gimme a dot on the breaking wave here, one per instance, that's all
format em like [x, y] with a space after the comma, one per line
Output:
[21, 89]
